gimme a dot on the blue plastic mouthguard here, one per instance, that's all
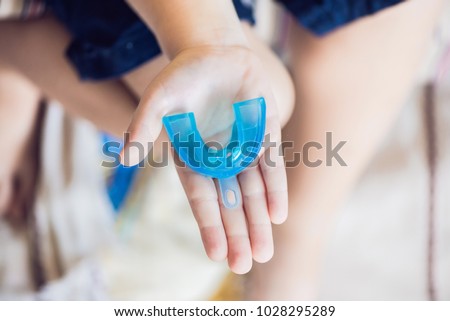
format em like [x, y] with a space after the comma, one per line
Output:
[224, 164]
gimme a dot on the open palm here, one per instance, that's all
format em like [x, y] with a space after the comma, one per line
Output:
[207, 81]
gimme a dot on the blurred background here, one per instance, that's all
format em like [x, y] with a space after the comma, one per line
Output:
[128, 234]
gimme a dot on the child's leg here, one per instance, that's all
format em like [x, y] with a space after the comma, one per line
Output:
[350, 83]
[36, 50]
[19, 100]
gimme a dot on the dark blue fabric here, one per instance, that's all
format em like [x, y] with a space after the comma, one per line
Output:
[109, 39]
[323, 16]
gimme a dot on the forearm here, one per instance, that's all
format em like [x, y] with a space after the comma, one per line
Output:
[180, 24]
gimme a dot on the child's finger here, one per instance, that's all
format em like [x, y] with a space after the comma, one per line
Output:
[274, 173]
[271, 159]
[239, 249]
[145, 126]
[202, 196]
[255, 205]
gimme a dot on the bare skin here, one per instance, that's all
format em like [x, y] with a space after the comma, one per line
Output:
[351, 83]
[110, 106]
[346, 76]
[36, 48]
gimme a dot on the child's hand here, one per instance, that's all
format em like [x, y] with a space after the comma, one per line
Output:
[207, 80]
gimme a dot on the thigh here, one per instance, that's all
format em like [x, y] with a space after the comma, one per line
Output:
[36, 49]
[352, 83]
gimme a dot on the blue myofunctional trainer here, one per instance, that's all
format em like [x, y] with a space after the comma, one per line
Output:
[224, 164]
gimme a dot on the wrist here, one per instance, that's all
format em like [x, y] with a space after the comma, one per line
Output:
[218, 37]
[180, 24]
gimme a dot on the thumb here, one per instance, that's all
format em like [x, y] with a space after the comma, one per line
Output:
[145, 126]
